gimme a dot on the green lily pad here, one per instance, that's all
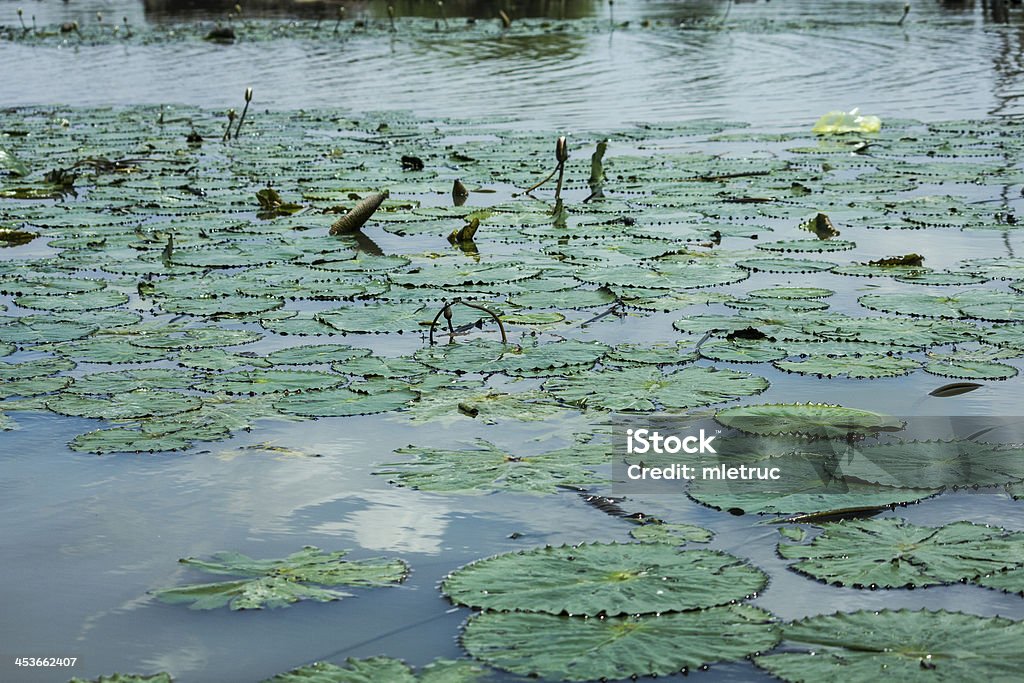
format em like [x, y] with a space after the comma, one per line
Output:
[278, 583]
[484, 356]
[486, 405]
[382, 669]
[122, 406]
[853, 366]
[574, 649]
[606, 579]
[161, 677]
[34, 368]
[89, 301]
[381, 318]
[33, 386]
[645, 389]
[262, 381]
[906, 645]
[808, 419]
[376, 395]
[786, 265]
[936, 464]
[808, 483]
[893, 553]
[315, 354]
[131, 380]
[675, 534]
[489, 468]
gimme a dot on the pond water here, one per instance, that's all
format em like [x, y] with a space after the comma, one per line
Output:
[85, 537]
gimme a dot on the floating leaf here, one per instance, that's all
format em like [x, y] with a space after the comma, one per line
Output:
[277, 583]
[605, 579]
[363, 398]
[484, 356]
[675, 534]
[893, 553]
[161, 677]
[854, 367]
[644, 389]
[489, 468]
[574, 649]
[907, 646]
[123, 406]
[808, 482]
[807, 419]
[936, 464]
[270, 381]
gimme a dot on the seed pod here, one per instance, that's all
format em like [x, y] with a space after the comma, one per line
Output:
[360, 213]
[458, 189]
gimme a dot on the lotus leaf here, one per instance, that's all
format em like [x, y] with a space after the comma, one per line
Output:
[32, 386]
[486, 405]
[893, 553]
[131, 380]
[72, 302]
[377, 395]
[489, 468]
[34, 368]
[855, 367]
[575, 649]
[161, 677]
[262, 381]
[666, 275]
[126, 405]
[380, 669]
[604, 579]
[906, 645]
[277, 583]
[487, 356]
[195, 338]
[785, 265]
[808, 419]
[675, 534]
[808, 483]
[315, 354]
[380, 318]
[645, 389]
[936, 464]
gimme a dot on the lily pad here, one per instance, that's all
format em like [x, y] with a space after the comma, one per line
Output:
[853, 366]
[575, 649]
[262, 381]
[907, 645]
[821, 420]
[489, 468]
[646, 389]
[376, 395]
[676, 534]
[278, 583]
[893, 553]
[606, 579]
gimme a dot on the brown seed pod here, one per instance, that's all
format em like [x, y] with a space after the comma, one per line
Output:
[360, 213]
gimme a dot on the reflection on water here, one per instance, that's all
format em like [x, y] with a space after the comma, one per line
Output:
[771, 63]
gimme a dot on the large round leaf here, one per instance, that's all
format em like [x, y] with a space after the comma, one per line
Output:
[900, 645]
[808, 419]
[574, 649]
[604, 579]
[644, 389]
[893, 553]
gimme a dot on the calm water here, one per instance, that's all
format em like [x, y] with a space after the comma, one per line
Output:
[85, 537]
